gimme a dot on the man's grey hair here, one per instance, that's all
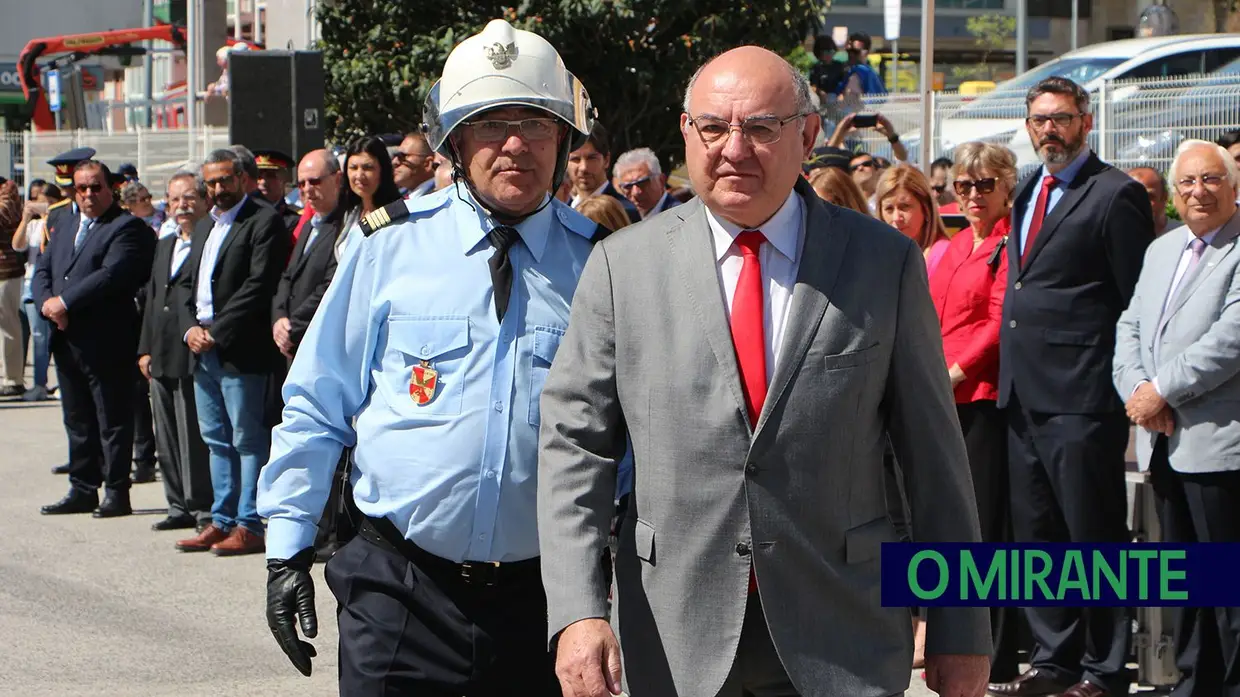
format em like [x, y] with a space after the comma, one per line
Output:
[200, 186]
[638, 156]
[225, 155]
[248, 163]
[800, 88]
[1229, 163]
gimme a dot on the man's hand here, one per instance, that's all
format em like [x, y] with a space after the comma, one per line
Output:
[199, 340]
[1144, 403]
[55, 311]
[280, 332]
[1163, 422]
[290, 598]
[842, 130]
[884, 126]
[587, 660]
[956, 675]
[956, 374]
[144, 364]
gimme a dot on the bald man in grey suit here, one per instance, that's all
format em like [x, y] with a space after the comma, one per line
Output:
[758, 345]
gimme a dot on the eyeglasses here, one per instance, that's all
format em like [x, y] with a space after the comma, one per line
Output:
[1211, 182]
[496, 130]
[310, 181]
[759, 130]
[220, 181]
[88, 188]
[1061, 120]
[983, 186]
[401, 158]
[860, 165]
[629, 186]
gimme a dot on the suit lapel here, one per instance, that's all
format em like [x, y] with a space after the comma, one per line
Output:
[693, 256]
[822, 254]
[1076, 193]
[1224, 242]
[238, 225]
[1021, 204]
[92, 235]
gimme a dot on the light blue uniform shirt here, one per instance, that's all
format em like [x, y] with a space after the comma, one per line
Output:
[1062, 180]
[458, 474]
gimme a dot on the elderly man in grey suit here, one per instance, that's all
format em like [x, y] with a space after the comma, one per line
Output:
[1177, 362]
[758, 345]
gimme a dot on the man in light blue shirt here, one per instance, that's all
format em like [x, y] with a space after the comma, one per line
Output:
[427, 355]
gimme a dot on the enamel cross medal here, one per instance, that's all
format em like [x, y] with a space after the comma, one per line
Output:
[422, 383]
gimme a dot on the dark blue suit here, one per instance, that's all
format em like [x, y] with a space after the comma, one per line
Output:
[95, 353]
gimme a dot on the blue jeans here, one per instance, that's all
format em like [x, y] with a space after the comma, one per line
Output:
[230, 416]
[40, 329]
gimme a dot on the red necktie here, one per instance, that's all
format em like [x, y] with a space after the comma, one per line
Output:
[1039, 214]
[306, 215]
[748, 336]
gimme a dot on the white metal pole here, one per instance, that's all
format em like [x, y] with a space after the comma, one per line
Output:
[927, 83]
[237, 19]
[259, 8]
[1075, 21]
[895, 66]
[191, 73]
[1022, 39]
[309, 22]
[148, 63]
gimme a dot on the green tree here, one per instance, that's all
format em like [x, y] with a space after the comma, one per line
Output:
[990, 33]
[634, 56]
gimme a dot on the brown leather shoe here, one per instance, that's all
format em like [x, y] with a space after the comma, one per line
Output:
[241, 541]
[1031, 683]
[1085, 688]
[203, 540]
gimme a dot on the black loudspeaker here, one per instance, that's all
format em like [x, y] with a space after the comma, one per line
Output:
[276, 100]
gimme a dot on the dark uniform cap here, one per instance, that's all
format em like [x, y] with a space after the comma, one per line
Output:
[827, 156]
[272, 159]
[65, 162]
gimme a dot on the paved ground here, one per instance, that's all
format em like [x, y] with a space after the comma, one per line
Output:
[108, 608]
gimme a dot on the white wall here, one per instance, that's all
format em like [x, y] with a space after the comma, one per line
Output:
[25, 20]
[286, 23]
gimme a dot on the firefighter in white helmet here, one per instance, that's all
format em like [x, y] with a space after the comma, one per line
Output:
[427, 356]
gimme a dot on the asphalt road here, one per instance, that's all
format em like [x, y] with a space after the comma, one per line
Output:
[108, 608]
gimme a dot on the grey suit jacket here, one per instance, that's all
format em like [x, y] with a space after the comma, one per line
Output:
[1198, 350]
[648, 349]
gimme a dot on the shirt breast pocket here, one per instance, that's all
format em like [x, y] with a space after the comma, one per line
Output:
[426, 358]
[546, 343]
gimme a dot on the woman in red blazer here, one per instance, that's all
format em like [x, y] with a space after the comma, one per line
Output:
[967, 288]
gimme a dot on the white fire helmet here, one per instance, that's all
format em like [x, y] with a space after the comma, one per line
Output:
[505, 67]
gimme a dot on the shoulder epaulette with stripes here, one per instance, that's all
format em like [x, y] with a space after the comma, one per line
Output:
[382, 217]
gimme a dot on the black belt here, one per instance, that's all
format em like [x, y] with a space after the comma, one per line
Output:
[380, 532]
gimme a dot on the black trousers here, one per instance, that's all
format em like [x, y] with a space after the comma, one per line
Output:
[97, 401]
[1067, 485]
[985, 439]
[418, 629]
[756, 670]
[1201, 508]
[143, 424]
[183, 456]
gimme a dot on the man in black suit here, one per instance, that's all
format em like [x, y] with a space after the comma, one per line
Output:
[1080, 229]
[167, 363]
[310, 269]
[587, 170]
[237, 257]
[97, 258]
[639, 175]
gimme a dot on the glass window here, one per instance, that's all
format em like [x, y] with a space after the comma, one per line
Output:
[956, 4]
[1185, 63]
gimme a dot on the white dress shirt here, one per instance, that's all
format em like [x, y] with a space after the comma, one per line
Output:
[779, 257]
[316, 221]
[180, 252]
[210, 255]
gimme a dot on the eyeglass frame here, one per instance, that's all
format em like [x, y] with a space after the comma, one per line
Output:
[963, 187]
[779, 132]
[1032, 119]
[629, 186]
[1183, 192]
[508, 126]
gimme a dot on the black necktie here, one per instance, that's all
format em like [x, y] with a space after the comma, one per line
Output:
[502, 238]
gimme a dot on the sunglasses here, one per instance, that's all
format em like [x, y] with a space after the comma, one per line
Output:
[629, 186]
[88, 188]
[310, 181]
[220, 181]
[860, 165]
[983, 186]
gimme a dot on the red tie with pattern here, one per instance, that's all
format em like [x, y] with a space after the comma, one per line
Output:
[748, 336]
[1039, 214]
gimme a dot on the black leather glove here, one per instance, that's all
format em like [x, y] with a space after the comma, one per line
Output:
[290, 597]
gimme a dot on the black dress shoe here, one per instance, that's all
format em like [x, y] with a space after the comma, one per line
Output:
[175, 522]
[115, 504]
[1031, 683]
[73, 502]
[143, 474]
[62, 469]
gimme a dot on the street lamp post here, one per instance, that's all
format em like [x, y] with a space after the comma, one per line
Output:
[927, 84]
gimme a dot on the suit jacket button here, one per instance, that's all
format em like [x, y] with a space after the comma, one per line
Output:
[742, 549]
[751, 468]
[1017, 286]
[165, 308]
[1012, 324]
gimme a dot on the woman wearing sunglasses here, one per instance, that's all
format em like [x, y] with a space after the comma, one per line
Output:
[967, 288]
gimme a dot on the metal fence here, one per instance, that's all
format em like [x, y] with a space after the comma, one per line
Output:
[1135, 123]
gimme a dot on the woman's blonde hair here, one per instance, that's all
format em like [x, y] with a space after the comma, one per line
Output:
[975, 156]
[910, 179]
[837, 186]
[605, 211]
